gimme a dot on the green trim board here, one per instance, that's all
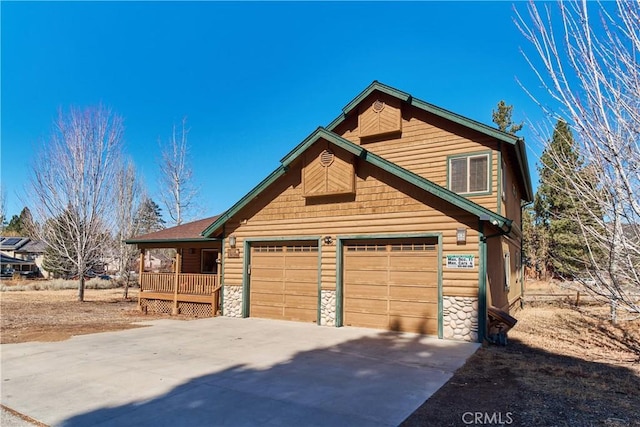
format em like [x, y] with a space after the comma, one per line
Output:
[482, 283]
[281, 170]
[404, 174]
[340, 242]
[440, 291]
[500, 189]
[517, 142]
[221, 267]
[246, 276]
[489, 154]
[246, 262]
[319, 313]
[339, 279]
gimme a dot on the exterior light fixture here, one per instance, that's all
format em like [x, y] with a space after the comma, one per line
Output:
[461, 236]
[232, 241]
[327, 240]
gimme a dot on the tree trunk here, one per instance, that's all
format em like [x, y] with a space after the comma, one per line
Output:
[81, 288]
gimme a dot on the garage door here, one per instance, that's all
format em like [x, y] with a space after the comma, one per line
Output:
[392, 285]
[284, 281]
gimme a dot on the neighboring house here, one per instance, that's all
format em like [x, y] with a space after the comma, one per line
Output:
[28, 253]
[398, 215]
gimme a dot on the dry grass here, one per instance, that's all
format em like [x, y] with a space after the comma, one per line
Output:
[57, 315]
[563, 366]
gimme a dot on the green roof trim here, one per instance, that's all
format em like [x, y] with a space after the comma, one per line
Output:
[404, 174]
[518, 143]
[281, 170]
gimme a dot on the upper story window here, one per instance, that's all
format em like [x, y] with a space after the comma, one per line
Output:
[469, 173]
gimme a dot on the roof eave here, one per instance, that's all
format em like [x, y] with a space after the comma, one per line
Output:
[281, 170]
[180, 240]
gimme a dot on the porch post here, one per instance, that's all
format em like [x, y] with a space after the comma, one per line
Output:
[217, 288]
[140, 271]
[175, 284]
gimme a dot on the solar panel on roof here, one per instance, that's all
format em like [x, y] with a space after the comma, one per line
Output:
[11, 241]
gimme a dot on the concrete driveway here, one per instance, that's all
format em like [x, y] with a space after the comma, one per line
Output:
[225, 371]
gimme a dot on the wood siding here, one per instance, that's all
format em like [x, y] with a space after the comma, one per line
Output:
[383, 204]
[425, 144]
[191, 260]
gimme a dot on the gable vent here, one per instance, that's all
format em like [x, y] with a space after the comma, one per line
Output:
[378, 106]
[326, 158]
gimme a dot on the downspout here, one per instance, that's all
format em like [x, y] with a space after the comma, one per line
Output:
[482, 272]
[482, 285]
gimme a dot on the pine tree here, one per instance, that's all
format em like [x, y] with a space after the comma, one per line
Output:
[556, 208]
[20, 225]
[149, 217]
[502, 118]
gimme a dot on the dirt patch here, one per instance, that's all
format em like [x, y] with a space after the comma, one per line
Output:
[563, 366]
[57, 315]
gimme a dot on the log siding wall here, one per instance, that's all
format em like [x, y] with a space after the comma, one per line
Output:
[424, 145]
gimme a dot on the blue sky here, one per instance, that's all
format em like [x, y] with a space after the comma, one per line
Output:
[253, 79]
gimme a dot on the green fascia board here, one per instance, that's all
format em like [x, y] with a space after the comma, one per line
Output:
[320, 133]
[438, 191]
[523, 162]
[449, 115]
[375, 85]
[417, 180]
[281, 170]
[375, 160]
[188, 240]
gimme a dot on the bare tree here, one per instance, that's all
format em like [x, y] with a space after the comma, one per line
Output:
[128, 199]
[586, 54]
[72, 187]
[177, 191]
[3, 208]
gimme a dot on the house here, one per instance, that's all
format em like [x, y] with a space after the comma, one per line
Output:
[398, 215]
[22, 254]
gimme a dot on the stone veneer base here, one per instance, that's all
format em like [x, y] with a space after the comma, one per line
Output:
[232, 301]
[460, 318]
[328, 308]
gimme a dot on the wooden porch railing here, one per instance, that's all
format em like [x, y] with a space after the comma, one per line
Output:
[188, 283]
[157, 282]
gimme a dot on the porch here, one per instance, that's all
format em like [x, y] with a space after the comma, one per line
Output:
[191, 294]
[179, 270]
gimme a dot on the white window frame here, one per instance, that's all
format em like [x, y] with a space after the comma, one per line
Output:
[468, 158]
[507, 271]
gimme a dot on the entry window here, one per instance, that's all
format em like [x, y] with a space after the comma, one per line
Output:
[410, 247]
[469, 174]
[267, 249]
[209, 261]
[367, 247]
[302, 248]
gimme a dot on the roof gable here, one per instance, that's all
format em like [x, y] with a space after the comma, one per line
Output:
[408, 176]
[518, 143]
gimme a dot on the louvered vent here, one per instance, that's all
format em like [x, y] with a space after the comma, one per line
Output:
[326, 158]
[378, 106]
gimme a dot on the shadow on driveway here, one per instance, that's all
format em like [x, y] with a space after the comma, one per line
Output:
[378, 379]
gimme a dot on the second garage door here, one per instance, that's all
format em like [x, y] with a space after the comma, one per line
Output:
[284, 281]
[392, 285]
